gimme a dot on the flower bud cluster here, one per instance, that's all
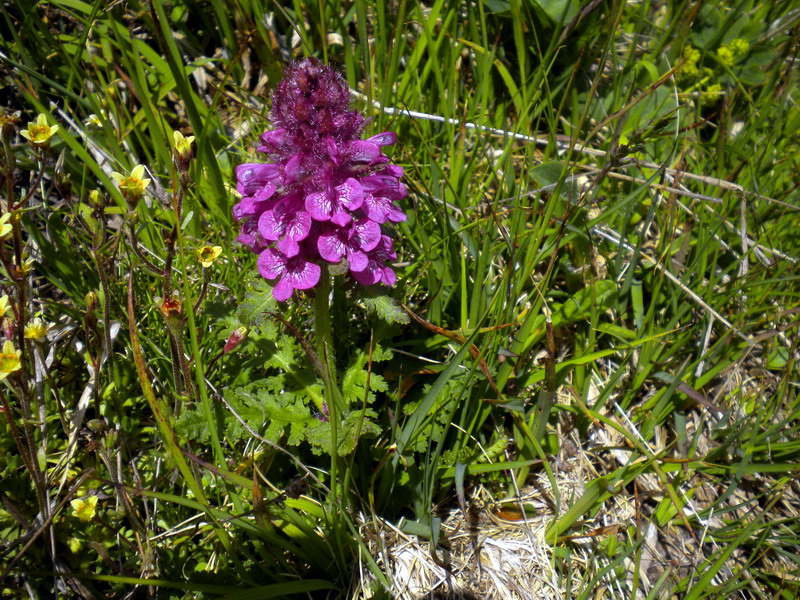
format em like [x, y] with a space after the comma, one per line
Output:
[326, 195]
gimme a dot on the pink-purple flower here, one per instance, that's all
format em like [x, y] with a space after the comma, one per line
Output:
[327, 195]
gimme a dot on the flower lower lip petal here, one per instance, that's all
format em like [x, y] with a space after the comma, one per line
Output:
[305, 275]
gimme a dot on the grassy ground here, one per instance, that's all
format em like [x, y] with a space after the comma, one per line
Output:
[598, 345]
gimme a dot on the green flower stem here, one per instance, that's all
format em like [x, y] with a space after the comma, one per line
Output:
[324, 339]
[199, 368]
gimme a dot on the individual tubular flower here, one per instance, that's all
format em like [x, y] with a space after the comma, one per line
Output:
[326, 194]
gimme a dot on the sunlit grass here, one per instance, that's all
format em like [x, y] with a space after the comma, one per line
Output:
[596, 295]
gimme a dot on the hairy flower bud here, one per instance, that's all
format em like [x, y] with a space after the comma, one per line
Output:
[327, 196]
[237, 337]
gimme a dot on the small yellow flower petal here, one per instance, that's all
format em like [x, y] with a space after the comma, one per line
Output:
[84, 508]
[183, 145]
[9, 360]
[208, 254]
[5, 306]
[5, 226]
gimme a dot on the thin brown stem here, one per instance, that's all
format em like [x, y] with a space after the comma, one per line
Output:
[28, 196]
[138, 251]
[203, 291]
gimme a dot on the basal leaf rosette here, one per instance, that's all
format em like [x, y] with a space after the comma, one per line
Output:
[326, 196]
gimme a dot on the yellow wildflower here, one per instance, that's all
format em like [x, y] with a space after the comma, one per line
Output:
[134, 185]
[182, 144]
[9, 360]
[39, 133]
[208, 254]
[36, 330]
[84, 508]
[5, 226]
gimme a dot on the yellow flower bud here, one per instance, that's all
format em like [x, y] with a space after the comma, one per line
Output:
[183, 145]
[95, 198]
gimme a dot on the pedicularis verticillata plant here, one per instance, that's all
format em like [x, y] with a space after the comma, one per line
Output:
[327, 193]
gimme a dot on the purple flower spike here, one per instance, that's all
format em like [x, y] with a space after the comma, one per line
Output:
[326, 193]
